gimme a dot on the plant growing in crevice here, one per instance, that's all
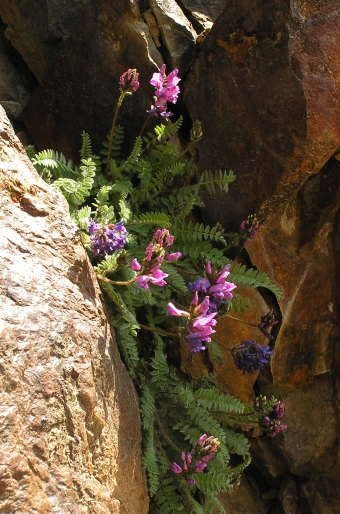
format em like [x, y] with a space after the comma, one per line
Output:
[167, 280]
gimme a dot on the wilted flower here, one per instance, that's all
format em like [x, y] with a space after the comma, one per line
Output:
[167, 90]
[196, 460]
[249, 227]
[267, 322]
[106, 239]
[129, 81]
[273, 426]
[250, 356]
[155, 253]
[279, 410]
[273, 411]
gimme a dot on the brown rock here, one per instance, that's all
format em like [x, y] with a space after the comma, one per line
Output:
[70, 429]
[36, 29]
[177, 32]
[81, 90]
[266, 89]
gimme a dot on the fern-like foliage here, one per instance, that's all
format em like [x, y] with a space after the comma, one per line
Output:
[220, 179]
[152, 188]
[242, 276]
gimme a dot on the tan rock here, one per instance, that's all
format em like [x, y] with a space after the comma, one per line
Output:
[69, 422]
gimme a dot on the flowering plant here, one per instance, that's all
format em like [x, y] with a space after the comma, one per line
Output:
[168, 280]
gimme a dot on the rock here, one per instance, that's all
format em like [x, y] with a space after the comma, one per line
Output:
[203, 12]
[178, 34]
[69, 423]
[37, 29]
[298, 247]
[14, 93]
[266, 89]
[244, 499]
[81, 91]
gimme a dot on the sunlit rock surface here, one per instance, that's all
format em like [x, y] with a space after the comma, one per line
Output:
[69, 421]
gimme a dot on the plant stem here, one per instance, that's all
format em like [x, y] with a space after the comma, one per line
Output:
[238, 319]
[232, 414]
[245, 424]
[166, 435]
[116, 282]
[158, 330]
[144, 126]
[221, 344]
[119, 103]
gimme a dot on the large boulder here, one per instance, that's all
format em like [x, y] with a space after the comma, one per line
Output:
[37, 29]
[266, 89]
[81, 88]
[69, 423]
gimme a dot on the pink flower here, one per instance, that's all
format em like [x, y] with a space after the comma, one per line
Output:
[173, 256]
[176, 468]
[156, 277]
[167, 90]
[173, 311]
[135, 265]
[155, 253]
[129, 81]
[200, 466]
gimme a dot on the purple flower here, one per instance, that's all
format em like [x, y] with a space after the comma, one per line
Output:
[273, 426]
[199, 285]
[267, 321]
[167, 90]
[200, 323]
[216, 286]
[196, 460]
[248, 227]
[274, 411]
[279, 410]
[191, 481]
[155, 276]
[199, 466]
[249, 356]
[155, 253]
[129, 81]
[176, 468]
[106, 239]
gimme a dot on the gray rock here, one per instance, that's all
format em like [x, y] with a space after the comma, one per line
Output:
[177, 32]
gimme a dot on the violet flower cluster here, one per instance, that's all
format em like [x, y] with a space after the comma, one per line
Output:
[267, 322]
[216, 286]
[200, 323]
[129, 81]
[155, 253]
[249, 227]
[196, 460]
[249, 356]
[106, 239]
[167, 90]
[273, 411]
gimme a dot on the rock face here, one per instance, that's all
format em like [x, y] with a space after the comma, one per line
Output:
[266, 87]
[81, 88]
[69, 423]
[37, 29]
